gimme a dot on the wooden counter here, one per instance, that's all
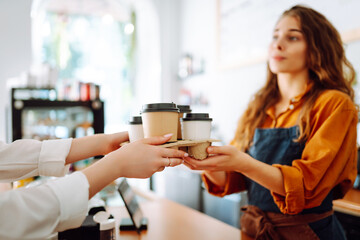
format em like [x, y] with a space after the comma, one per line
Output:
[170, 220]
[350, 204]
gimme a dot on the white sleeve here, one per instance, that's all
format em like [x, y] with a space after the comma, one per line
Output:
[37, 212]
[27, 158]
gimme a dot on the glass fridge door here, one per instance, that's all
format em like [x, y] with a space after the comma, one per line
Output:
[56, 122]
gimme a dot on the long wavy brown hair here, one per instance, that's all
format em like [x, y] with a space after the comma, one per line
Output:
[328, 69]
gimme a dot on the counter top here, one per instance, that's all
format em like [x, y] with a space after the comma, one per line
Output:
[350, 204]
[170, 220]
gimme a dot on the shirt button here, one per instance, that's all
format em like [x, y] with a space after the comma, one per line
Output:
[291, 106]
[293, 100]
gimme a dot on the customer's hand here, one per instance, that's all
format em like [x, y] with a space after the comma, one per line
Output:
[95, 145]
[142, 158]
[139, 159]
[114, 140]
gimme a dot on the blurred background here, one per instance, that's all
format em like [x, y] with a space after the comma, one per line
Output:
[71, 68]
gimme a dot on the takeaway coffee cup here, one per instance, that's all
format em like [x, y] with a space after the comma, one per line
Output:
[182, 110]
[136, 131]
[160, 119]
[196, 126]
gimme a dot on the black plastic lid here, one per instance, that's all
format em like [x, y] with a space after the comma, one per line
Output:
[184, 108]
[196, 117]
[160, 107]
[135, 120]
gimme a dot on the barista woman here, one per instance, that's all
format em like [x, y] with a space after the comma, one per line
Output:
[294, 150]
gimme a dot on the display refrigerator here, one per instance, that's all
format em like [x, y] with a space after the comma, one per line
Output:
[37, 114]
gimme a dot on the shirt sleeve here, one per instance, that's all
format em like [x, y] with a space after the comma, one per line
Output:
[235, 182]
[37, 212]
[27, 158]
[329, 158]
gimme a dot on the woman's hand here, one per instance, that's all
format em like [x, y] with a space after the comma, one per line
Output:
[229, 158]
[95, 145]
[224, 158]
[114, 140]
[139, 159]
[221, 160]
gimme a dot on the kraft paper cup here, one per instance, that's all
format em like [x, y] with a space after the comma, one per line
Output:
[160, 119]
[196, 126]
[199, 151]
[182, 110]
[136, 131]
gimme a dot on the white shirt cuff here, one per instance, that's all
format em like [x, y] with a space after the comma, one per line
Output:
[52, 157]
[72, 192]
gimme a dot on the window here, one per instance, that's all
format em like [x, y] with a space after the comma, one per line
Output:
[96, 41]
[93, 44]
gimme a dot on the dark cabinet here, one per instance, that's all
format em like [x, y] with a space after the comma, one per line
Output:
[42, 118]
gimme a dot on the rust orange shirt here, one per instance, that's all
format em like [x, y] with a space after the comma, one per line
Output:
[329, 159]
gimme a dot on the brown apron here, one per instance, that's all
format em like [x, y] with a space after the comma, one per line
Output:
[259, 225]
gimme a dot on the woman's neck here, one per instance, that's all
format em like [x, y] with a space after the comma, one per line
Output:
[291, 86]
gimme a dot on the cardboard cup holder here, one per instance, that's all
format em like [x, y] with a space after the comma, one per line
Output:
[195, 148]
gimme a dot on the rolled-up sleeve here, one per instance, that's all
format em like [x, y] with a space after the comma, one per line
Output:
[27, 158]
[329, 158]
[235, 182]
[52, 157]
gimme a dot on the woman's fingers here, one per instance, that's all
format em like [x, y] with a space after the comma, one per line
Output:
[172, 162]
[122, 136]
[219, 149]
[156, 140]
[173, 153]
[207, 164]
[160, 169]
[189, 165]
[117, 138]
